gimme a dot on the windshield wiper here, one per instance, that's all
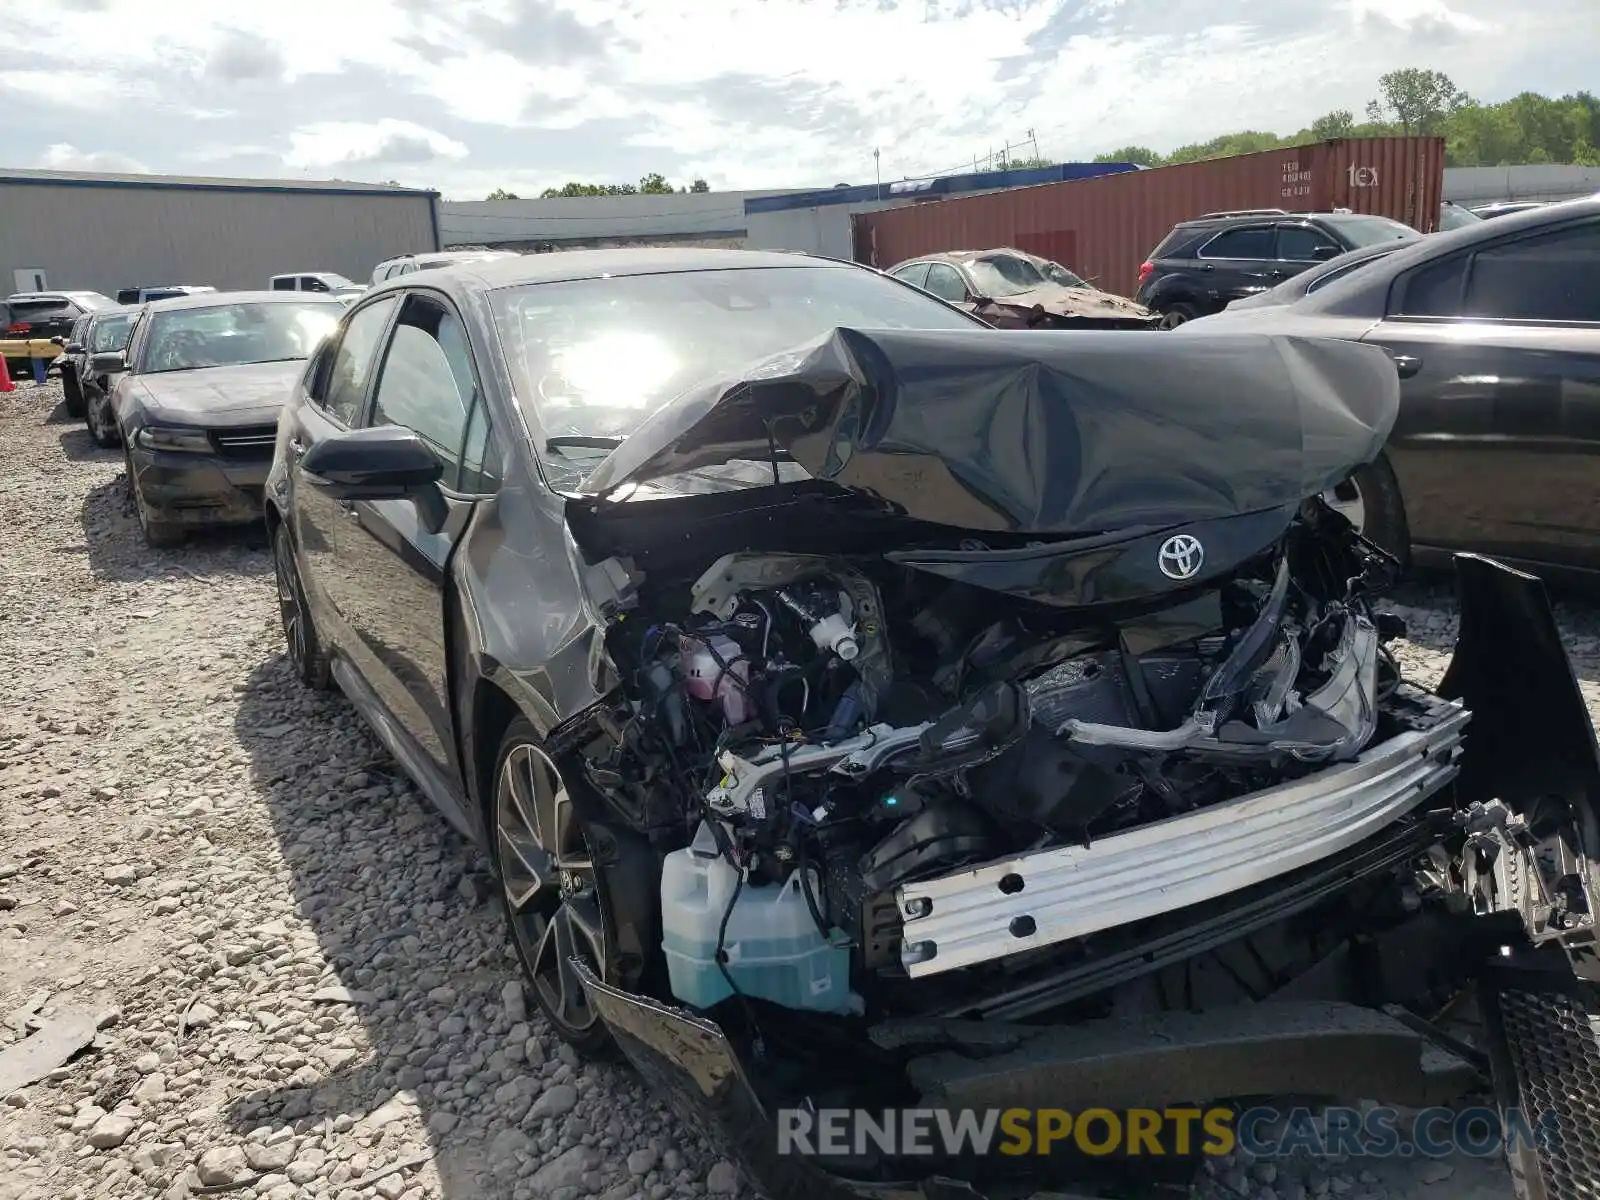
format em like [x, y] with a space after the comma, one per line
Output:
[582, 441]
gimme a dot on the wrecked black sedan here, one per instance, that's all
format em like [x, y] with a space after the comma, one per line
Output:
[866, 709]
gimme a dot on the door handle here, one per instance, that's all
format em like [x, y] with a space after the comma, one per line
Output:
[1207, 267]
[1407, 365]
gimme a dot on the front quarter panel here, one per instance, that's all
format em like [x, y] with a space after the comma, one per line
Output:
[529, 624]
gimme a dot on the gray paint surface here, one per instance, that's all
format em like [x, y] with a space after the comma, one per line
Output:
[1530, 181]
[585, 218]
[102, 237]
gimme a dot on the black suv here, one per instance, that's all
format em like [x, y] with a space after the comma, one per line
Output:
[1205, 263]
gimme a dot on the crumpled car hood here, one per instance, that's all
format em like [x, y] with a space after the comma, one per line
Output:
[1083, 303]
[209, 393]
[1040, 432]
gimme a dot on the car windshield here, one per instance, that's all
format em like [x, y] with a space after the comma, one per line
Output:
[1056, 273]
[111, 333]
[1362, 231]
[1003, 275]
[52, 309]
[1453, 216]
[596, 356]
[1339, 268]
[227, 335]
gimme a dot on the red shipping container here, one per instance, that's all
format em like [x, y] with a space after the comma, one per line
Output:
[1104, 228]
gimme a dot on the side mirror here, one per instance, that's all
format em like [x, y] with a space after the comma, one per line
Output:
[976, 298]
[110, 362]
[383, 462]
[74, 348]
[1324, 253]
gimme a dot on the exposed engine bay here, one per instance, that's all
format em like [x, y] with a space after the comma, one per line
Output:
[977, 722]
[863, 775]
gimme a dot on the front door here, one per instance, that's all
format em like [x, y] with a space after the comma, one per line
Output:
[1497, 446]
[400, 550]
[338, 386]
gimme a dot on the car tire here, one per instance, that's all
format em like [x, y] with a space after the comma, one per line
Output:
[1382, 511]
[554, 898]
[72, 394]
[1177, 314]
[158, 534]
[98, 420]
[308, 658]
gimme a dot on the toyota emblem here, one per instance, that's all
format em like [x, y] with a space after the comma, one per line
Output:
[1180, 556]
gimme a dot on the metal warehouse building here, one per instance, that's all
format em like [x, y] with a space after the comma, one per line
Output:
[103, 232]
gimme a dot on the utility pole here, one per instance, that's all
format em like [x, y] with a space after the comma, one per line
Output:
[877, 172]
[1035, 142]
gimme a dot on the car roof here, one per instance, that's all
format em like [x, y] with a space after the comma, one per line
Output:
[563, 266]
[1443, 244]
[222, 299]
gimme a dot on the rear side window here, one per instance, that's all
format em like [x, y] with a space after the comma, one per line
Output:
[1434, 290]
[345, 385]
[128, 296]
[1551, 276]
[1172, 243]
[282, 284]
[1240, 243]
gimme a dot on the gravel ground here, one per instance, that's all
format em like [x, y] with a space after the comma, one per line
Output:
[300, 988]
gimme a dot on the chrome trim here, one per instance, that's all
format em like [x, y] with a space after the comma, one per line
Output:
[1071, 891]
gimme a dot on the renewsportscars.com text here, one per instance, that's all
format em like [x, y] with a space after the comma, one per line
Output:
[1264, 1132]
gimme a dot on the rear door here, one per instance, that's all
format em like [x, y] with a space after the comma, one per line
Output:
[336, 387]
[1498, 441]
[396, 557]
[1239, 261]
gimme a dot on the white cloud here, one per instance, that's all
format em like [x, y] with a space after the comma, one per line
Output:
[752, 93]
[360, 143]
[63, 156]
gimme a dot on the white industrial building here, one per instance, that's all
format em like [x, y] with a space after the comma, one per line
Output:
[1531, 181]
[89, 232]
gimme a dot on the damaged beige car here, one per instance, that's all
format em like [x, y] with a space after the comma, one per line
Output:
[1012, 289]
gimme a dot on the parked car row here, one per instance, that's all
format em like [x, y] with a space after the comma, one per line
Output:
[813, 660]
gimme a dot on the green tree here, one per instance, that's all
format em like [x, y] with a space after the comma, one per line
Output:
[654, 185]
[699, 185]
[1340, 123]
[502, 194]
[1417, 100]
[570, 190]
[1141, 155]
[1031, 163]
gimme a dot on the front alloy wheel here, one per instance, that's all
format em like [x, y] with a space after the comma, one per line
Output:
[306, 655]
[97, 416]
[1346, 500]
[158, 534]
[554, 896]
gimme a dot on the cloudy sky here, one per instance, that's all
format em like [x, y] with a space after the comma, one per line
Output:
[471, 95]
